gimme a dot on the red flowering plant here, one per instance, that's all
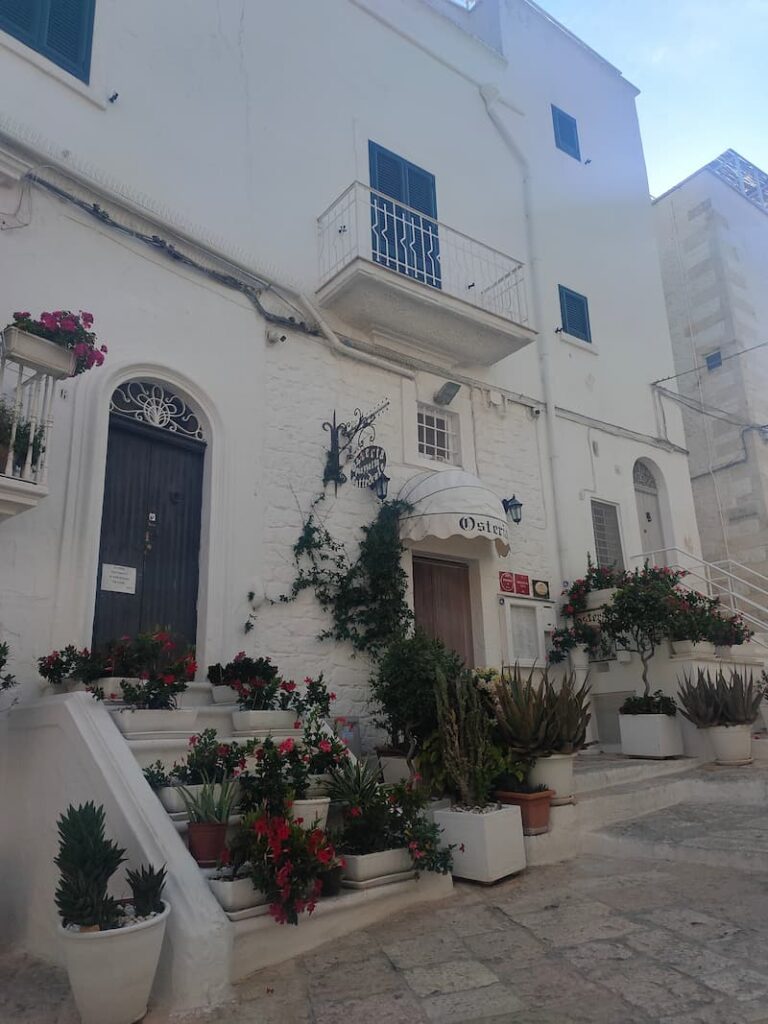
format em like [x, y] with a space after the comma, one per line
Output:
[152, 693]
[326, 751]
[69, 663]
[68, 330]
[567, 638]
[597, 577]
[728, 630]
[242, 669]
[278, 775]
[317, 697]
[284, 861]
[210, 760]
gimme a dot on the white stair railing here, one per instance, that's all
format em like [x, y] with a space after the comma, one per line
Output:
[731, 581]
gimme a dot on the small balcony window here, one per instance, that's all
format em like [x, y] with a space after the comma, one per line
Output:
[438, 435]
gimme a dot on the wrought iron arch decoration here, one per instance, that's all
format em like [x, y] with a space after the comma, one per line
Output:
[644, 478]
[145, 401]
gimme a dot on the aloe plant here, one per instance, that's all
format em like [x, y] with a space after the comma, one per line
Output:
[523, 715]
[212, 804]
[147, 885]
[719, 700]
[568, 707]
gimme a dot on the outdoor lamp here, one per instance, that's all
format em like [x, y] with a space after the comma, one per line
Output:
[513, 508]
[379, 487]
[446, 393]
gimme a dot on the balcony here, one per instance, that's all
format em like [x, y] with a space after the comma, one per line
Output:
[387, 268]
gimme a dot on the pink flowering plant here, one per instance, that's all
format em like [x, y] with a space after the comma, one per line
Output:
[597, 577]
[279, 775]
[71, 665]
[326, 751]
[211, 760]
[68, 330]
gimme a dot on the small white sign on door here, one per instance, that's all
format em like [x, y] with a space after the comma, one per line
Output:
[120, 579]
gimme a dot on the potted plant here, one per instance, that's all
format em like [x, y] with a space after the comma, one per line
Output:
[594, 590]
[266, 702]
[649, 727]
[70, 669]
[513, 787]
[131, 659]
[150, 706]
[326, 752]
[403, 695]
[727, 631]
[61, 343]
[566, 710]
[208, 759]
[208, 811]
[225, 678]
[488, 836]
[690, 623]
[21, 438]
[111, 946]
[279, 782]
[727, 707]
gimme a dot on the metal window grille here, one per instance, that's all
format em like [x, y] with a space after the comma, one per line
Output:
[438, 434]
[605, 524]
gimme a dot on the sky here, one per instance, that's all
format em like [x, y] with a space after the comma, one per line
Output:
[702, 70]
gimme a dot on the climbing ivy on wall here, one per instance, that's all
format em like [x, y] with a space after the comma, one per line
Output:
[366, 598]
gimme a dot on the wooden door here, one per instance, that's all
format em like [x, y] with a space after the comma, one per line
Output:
[150, 533]
[442, 604]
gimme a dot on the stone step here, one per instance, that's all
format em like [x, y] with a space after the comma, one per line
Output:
[715, 833]
[592, 774]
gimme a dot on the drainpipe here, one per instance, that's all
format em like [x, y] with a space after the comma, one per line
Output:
[490, 97]
[335, 344]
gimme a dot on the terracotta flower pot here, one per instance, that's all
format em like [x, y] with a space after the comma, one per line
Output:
[534, 808]
[207, 841]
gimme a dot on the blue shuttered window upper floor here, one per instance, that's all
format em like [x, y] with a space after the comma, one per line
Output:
[566, 132]
[61, 30]
[574, 311]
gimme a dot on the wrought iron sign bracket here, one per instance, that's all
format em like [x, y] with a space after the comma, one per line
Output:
[346, 437]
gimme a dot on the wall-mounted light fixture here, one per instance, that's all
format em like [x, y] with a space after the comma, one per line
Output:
[513, 508]
[379, 487]
[446, 394]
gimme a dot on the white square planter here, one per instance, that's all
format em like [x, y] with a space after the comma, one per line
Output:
[393, 769]
[493, 844]
[236, 894]
[38, 353]
[650, 736]
[362, 867]
[263, 721]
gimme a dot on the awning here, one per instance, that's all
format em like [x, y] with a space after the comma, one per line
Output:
[452, 503]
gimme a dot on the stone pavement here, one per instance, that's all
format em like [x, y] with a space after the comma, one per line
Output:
[593, 941]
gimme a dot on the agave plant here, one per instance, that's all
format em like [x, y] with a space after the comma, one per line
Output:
[147, 885]
[523, 714]
[719, 700]
[212, 804]
[568, 713]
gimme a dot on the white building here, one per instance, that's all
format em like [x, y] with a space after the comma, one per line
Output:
[282, 212]
[713, 239]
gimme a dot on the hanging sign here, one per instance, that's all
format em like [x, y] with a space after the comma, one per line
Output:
[368, 465]
[119, 579]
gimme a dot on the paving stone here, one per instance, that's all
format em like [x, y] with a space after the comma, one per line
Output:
[573, 924]
[340, 953]
[553, 984]
[653, 989]
[471, 920]
[513, 943]
[692, 924]
[589, 954]
[386, 1008]
[370, 976]
[476, 1005]
[432, 949]
[454, 976]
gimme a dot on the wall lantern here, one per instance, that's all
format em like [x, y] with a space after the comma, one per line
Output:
[446, 393]
[513, 508]
[379, 487]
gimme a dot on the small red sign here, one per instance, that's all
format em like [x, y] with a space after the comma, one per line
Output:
[507, 582]
[522, 584]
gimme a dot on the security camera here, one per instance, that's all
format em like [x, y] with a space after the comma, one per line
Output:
[535, 413]
[273, 336]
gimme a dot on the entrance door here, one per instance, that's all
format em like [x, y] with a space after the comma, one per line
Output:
[442, 604]
[150, 533]
[648, 510]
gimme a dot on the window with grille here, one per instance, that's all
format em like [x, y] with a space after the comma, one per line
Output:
[566, 133]
[524, 637]
[574, 311]
[605, 524]
[438, 434]
[60, 30]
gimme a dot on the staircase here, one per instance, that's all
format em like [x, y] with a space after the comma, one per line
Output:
[67, 749]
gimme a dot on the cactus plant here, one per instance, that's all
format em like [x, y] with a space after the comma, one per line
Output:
[146, 888]
[86, 860]
[465, 729]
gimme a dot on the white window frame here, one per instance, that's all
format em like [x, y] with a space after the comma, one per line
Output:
[452, 432]
[544, 623]
[615, 505]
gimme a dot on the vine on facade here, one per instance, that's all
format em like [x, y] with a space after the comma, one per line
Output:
[366, 598]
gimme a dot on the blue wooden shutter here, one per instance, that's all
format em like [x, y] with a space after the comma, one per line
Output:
[574, 310]
[61, 30]
[566, 132]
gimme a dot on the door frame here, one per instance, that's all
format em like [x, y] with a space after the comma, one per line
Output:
[74, 604]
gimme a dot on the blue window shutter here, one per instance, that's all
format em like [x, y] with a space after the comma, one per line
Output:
[421, 190]
[61, 30]
[566, 132]
[387, 172]
[714, 360]
[574, 310]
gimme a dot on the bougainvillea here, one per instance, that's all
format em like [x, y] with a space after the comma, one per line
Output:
[69, 330]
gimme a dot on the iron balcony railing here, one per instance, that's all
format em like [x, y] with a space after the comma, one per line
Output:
[363, 223]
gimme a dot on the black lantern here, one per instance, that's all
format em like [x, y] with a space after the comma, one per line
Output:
[513, 508]
[379, 487]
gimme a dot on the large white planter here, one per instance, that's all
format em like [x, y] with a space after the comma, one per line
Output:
[488, 846]
[313, 812]
[394, 769]
[263, 721]
[179, 720]
[361, 867]
[38, 353]
[579, 658]
[223, 695]
[111, 973]
[599, 598]
[650, 736]
[556, 773]
[764, 713]
[236, 894]
[732, 743]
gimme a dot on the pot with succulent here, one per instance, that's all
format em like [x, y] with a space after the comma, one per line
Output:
[208, 759]
[111, 946]
[403, 699]
[60, 344]
[649, 726]
[209, 811]
[726, 705]
[488, 836]
[513, 787]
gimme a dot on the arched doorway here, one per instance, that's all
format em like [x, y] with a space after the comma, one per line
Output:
[150, 526]
[648, 509]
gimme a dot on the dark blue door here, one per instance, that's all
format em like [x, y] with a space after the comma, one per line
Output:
[405, 240]
[150, 533]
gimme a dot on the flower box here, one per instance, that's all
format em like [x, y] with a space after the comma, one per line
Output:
[556, 773]
[263, 721]
[236, 894]
[489, 844]
[144, 720]
[655, 736]
[362, 867]
[111, 972]
[223, 695]
[313, 812]
[534, 809]
[38, 353]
